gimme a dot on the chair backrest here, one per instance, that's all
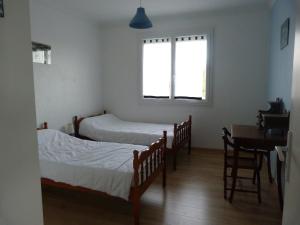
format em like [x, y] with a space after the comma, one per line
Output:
[228, 144]
[235, 149]
[226, 132]
[227, 138]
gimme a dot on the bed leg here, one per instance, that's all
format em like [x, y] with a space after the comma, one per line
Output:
[175, 159]
[136, 210]
[164, 180]
[164, 160]
[164, 173]
[190, 135]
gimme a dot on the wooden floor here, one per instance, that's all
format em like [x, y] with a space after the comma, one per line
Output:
[194, 196]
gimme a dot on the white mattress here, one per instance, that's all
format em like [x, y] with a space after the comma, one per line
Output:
[101, 166]
[111, 129]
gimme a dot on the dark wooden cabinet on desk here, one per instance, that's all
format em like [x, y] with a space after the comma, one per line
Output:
[279, 122]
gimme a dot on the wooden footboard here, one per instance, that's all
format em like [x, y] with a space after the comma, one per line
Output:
[44, 126]
[147, 166]
[182, 137]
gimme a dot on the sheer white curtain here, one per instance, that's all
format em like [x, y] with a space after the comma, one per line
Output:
[157, 68]
[190, 67]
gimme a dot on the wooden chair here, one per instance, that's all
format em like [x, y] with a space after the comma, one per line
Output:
[233, 161]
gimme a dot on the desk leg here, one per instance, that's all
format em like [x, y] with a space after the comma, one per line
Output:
[261, 159]
[234, 174]
[269, 167]
[279, 183]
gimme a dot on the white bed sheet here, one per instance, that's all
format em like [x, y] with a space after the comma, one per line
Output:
[111, 129]
[101, 166]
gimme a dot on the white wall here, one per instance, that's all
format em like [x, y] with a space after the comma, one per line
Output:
[239, 77]
[20, 191]
[72, 83]
[281, 60]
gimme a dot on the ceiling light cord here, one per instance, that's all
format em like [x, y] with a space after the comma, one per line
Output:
[140, 3]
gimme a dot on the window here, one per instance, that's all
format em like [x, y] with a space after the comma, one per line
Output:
[176, 68]
[41, 53]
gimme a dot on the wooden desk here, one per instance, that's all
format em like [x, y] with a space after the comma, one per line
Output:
[252, 137]
[255, 138]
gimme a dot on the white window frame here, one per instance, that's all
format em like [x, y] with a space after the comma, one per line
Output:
[173, 34]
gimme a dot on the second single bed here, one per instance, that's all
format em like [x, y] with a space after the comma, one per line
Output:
[109, 128]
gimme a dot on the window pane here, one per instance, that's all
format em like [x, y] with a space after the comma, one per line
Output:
[38, 56]
[190, 67]
[157, 68]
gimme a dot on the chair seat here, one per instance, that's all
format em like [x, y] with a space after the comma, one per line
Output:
[243, 163]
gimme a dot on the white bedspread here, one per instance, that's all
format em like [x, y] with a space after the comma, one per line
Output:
[101, 166]
[111, 129]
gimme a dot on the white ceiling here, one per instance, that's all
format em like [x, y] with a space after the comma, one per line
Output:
[115, 10]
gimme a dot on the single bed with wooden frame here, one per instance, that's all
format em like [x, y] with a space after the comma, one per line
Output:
[147, 165]
[182, 135]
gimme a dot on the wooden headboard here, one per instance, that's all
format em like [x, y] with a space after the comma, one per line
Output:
[43, 126]
[77, 120]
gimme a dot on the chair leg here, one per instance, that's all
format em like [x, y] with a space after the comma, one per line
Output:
[164, 172]
[231, 172]
[261, 160]
[260, 163]
[269, 167]
[254, 177]
[190, 146]
[258, 187]
[234, 176]
[225, 182]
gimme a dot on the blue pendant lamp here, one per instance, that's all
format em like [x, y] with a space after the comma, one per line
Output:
[140, 20]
